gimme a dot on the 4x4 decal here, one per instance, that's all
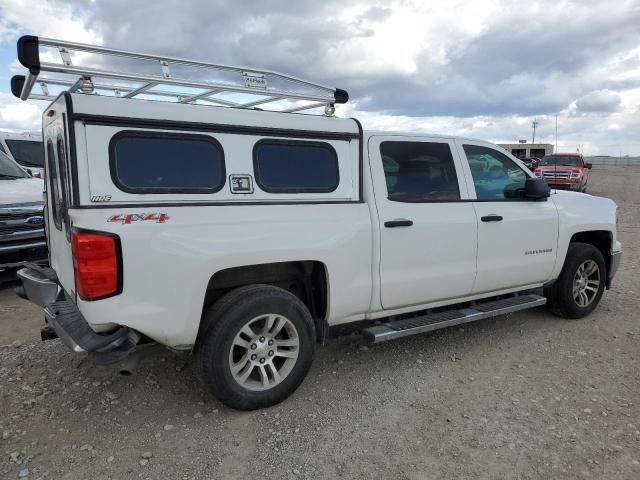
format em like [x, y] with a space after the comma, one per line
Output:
[128, 218]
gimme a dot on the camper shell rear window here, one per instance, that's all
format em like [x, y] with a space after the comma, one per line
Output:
[157, 162]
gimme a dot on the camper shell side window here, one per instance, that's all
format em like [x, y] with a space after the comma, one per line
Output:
[159, 162]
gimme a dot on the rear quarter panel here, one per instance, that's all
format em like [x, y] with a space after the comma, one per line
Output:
[166, 266]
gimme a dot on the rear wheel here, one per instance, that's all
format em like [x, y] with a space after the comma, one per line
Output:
[579, 288]
[257, 346]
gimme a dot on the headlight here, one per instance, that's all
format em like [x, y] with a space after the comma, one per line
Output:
[576, 174]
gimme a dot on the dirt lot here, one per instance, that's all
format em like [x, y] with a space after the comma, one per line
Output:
[523, 396]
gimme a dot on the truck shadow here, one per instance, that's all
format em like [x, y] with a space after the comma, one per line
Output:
[351, 365]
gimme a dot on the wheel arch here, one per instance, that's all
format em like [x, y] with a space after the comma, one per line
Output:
[306, 279]
[601, 239]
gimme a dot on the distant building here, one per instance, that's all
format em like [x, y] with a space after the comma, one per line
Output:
[527, 150]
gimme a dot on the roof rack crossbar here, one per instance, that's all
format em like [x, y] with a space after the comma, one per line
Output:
[220, 101]
[141, 89]
[258, 102]
[304, 107]
[297, 94]
[199, 96]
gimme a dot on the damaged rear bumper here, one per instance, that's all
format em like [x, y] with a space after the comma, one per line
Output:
[41, 287]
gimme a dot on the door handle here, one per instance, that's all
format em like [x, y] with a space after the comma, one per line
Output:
[401, 222]
[491, 218]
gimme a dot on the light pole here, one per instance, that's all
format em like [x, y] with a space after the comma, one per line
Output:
[556, 149]
[534, 124]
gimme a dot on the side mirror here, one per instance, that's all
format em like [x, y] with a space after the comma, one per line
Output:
[536, 189]
[589, 166]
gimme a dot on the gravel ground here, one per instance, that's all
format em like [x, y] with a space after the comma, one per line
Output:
[524, 396]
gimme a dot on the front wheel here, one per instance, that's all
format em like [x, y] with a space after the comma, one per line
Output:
[579, 288]
[256, 347]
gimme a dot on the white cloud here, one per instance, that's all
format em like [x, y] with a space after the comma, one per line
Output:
[604, 101]
[18, 115]
[45, 18]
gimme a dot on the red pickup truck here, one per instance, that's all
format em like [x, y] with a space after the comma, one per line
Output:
[567, 171]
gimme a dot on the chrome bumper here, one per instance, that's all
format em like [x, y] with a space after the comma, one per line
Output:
[21, 246]
[39, 287]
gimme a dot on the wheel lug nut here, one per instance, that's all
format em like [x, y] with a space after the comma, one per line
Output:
[254, 356]
[270, 353]
[253, 346]
[262, 360]
[262, 339]
[270, 342]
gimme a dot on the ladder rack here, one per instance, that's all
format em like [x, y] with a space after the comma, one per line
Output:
[97, 70]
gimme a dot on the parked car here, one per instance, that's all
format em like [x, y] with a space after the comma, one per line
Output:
[26, 149]
[567, 171]
[21, 216]
[246, 237]
[531, 163]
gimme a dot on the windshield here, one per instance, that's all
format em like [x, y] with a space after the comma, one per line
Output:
[28, 153]
[567, 160]
[9, 169]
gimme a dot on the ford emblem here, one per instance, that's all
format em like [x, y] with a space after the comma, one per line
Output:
[37, 220]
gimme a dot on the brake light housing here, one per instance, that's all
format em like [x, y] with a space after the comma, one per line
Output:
[97, 264]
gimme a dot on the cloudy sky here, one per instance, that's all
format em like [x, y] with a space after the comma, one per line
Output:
[482, 68]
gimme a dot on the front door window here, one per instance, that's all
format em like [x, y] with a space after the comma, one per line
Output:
[495, 176]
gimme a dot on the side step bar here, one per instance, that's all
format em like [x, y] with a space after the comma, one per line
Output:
[434, 321]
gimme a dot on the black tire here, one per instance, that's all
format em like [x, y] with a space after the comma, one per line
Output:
[560, 298]
[225, 319]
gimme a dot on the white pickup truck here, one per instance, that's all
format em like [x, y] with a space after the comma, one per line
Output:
[247, 236]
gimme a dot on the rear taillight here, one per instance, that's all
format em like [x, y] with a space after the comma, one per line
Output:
[96, 262]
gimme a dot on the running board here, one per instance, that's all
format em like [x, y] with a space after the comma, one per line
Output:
[434, 321]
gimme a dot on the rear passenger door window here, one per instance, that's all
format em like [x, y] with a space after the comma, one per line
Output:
[292, 166]
[419, 172]
[157, 162]
[495, 176]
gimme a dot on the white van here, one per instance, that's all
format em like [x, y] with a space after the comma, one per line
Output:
[26, 149]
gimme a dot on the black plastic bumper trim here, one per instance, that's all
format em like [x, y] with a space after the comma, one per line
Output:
[613, 267]
[69, 324]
